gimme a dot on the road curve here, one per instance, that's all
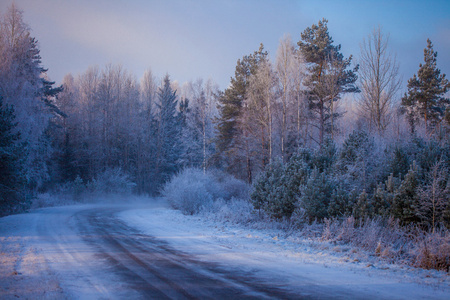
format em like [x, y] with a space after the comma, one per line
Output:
[151, 268]
[88, 252]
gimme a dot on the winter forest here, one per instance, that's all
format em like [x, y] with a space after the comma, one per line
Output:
[301, 136]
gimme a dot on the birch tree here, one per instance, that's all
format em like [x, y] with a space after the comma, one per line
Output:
[434, 195]
[380, 80]
[290, 71]
[259, 106]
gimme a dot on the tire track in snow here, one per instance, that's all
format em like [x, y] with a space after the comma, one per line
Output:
[158, 271]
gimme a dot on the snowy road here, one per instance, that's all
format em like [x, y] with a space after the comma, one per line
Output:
[154, 270]
[92, 252]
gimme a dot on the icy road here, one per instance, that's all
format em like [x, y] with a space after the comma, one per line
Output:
[115, 252]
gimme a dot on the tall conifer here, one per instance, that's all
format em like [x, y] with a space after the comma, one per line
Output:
[328, 76]
[425, 97]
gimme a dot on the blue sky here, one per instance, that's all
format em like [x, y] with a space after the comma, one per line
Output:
[203, 39]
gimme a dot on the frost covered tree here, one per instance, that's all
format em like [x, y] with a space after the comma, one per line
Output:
[380, 80]
[145, 149]
[406, 198]
[315, 195]
[23, 83]
[266, 190]
[358, 161]
[168, 132]
[12, 157]
[434, 196]
[102, 126]
[327, 78]
[289, 69]
[276, 190]
[232, 142]
[425, 98]
[198, 130]
[258, 114]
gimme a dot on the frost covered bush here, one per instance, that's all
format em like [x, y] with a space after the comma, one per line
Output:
[189, 198]
[51, 199]
[235, 211]
[111, 181]
[72, 191]
[387, 239]
[432, 250]
[192, 189]
[226, 186]
[106, 184]
[189, 190]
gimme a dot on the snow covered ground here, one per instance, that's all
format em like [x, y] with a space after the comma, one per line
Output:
[74, 252]
[287, 261]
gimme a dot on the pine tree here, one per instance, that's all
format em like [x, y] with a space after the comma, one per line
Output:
[381, 201]
[425, 97]
[342, 202]
[356, 160]
[316, 195]
[406, 198]
[230, 110]
[328, 76]
[12, 179]
[362, 207]
[295, 174]
[268, 188]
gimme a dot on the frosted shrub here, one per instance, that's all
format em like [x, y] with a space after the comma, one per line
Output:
[226, 186]
[191, 189]
[234, 188]
[48, 200]
[72, 191]
[191, 198]
[236, 211]
[112, 181]
[432, 250]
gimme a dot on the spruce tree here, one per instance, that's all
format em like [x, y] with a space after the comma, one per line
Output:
[168, 146]
[12, 179]
[425, 97]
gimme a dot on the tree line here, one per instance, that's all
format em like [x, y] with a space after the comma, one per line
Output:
[285, 118]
